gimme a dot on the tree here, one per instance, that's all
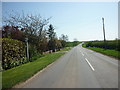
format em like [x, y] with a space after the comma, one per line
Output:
[58, 44]
[75, 42]
[64, 39]
[12, 32]
[43, 42]
[51, 35]
[31, 25]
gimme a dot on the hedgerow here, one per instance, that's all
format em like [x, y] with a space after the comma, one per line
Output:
[13, 52]
[113, 44]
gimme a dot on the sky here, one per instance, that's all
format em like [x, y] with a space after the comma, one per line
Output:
[80, 20]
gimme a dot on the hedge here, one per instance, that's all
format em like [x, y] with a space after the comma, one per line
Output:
[13, 53]
[113, 44]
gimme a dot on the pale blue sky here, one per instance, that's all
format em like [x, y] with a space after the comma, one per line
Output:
[81, 20]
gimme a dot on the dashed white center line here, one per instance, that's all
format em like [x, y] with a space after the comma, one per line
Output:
[90, 64]
[82, 54]
[91, 51]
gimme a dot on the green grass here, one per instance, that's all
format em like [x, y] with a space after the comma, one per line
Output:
[36, 57]
[66, 49]
[108, 52]
[21, 73]
[72, 44]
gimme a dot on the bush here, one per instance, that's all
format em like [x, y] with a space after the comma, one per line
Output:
[13, 53]
[113, 44]
[32, 51]
[36, 57]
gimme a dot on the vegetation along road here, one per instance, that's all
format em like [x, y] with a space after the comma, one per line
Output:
[79, 68]
[54, 45]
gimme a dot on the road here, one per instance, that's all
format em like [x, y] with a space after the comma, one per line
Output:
[78, 68]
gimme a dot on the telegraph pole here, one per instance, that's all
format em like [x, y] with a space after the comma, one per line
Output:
[104, 33]
[27, 49]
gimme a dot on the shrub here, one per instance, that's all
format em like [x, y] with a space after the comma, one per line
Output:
[32, 51]
[113, 44]
[36, 57]
[13, 53]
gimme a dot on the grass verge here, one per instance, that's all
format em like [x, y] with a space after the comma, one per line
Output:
[66, 49]
[21, 73]
[109, 52]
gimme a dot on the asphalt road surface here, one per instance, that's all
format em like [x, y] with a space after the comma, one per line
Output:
[78, 68]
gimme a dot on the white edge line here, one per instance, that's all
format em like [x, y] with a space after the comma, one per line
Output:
[90, 64]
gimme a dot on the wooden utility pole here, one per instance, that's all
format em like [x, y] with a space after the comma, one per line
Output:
[104, 33]
[27, 49]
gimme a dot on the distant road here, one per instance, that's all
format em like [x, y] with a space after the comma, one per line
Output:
[78, 68]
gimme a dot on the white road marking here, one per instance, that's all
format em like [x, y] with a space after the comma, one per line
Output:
[91, 51]
[90, 64]
[82, 54]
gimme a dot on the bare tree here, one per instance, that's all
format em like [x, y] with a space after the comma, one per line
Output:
[32, 24]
